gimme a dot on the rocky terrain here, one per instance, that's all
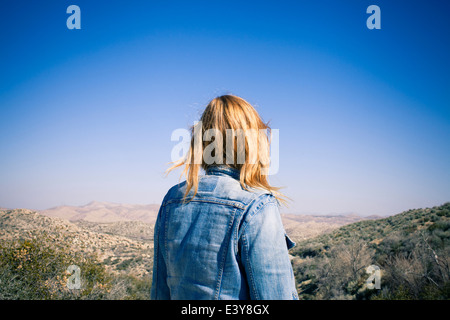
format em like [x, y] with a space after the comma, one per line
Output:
[301, 227]
[121, 235]
[411, 249]
[120, 246]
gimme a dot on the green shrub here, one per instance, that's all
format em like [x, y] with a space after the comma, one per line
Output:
[36, 268]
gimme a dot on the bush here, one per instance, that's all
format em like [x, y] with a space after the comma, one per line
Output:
[36, 268]
[411, 249]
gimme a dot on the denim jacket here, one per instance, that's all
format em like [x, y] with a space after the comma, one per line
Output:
[227, 243]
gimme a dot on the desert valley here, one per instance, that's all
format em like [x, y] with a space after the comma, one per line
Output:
[115, 243]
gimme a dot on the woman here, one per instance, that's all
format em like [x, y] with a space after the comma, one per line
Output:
[219, 235]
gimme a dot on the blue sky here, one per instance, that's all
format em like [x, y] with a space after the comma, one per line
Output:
[363, 115]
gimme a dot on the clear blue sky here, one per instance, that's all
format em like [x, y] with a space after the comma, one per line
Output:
[363, 115]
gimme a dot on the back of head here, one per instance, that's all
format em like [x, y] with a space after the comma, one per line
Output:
[230, 132]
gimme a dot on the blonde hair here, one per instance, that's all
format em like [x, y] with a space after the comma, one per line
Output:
[249, 152]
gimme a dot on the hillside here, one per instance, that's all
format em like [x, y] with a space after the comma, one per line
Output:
[300, 227]
[411, 249]
[330, 260]
[121, 235]
[118, 251]
[136, 230]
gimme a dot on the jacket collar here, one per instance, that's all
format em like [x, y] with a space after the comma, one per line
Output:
[220, 170]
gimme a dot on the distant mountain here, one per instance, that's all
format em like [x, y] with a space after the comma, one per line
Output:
[105, 212]
[298, 226]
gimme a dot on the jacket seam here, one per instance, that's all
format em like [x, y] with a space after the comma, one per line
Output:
[244, 238]
[244, 223]
[235, 233]
[223, 202]
[250, 271]
[166, 227]
[263, 205]
[223, 257]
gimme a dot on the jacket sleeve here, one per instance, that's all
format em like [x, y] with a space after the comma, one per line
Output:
[263, 246]
[159, 289]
